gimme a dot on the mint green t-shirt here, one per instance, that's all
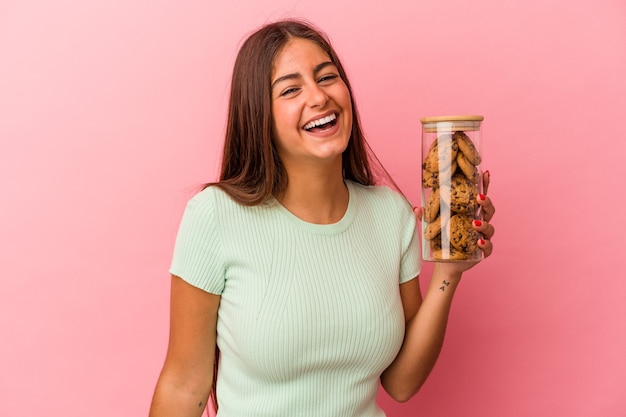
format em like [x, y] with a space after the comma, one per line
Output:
[310, 315]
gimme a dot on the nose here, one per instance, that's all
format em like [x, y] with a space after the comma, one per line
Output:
[317, 96]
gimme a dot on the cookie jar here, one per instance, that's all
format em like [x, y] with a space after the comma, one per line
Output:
[451, 181]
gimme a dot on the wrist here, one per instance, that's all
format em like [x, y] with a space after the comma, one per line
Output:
[447, 271]
[444, 281]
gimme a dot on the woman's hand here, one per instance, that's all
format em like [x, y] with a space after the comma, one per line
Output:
[487, 210]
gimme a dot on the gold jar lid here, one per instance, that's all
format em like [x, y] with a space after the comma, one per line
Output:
[451, 123]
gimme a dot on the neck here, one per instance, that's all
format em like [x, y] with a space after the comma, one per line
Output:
[316, 197]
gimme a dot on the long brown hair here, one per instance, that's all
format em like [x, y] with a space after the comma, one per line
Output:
[251, 170]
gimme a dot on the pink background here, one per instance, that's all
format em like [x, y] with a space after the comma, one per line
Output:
[111, 114]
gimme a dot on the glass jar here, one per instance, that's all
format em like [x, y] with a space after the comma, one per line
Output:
[451, 181]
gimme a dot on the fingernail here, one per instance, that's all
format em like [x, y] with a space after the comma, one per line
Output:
[482, 196]
[481, 241]
[487, 173]
[478, 223]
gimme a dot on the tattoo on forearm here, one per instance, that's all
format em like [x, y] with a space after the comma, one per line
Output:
[444, 284]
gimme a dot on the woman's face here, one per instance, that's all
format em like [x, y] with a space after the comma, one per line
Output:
[311, 109]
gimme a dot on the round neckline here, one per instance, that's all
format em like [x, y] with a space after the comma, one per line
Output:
[322, 229]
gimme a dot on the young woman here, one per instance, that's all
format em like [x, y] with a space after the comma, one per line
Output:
[295, 264]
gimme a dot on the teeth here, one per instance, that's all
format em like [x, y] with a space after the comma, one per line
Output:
[320, 122]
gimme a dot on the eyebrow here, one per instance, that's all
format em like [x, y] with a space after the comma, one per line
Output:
[297, 75]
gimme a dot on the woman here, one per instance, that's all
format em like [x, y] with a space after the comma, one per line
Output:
[300, 269]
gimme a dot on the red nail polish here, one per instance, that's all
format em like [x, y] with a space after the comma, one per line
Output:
[478, 223]
[487, 173]
[482, 241]
[482, 196]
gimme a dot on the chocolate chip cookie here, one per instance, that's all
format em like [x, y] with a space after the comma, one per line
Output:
[462, 235]
[433, 229]
[466, 146]
[441, 154]
[450, 254]
[433, 179]
[470, 171]
[463, 194]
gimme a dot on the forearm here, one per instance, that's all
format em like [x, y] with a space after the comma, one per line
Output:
[423, 338]
[186, 380]
[174, 400]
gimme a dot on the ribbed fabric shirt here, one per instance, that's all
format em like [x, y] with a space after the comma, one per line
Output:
[310, 315]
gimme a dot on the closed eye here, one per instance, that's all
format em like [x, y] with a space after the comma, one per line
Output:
[327, 78]
[289, 91]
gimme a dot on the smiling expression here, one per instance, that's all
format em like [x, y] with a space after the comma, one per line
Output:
[311, 106]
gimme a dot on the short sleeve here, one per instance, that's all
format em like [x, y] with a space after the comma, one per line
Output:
[198, 257]
[411, 262]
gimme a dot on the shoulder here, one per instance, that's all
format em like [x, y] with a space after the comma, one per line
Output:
[212, 199]
[379, 195]
[215, 203]
[380, 204]
[386, 215]
[208, 195]
[205, 207]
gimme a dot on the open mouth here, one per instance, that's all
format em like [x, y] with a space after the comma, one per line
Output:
[321, 124]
